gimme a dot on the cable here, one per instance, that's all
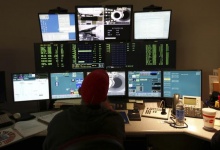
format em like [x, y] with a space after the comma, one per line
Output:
[174, 125]
[162, 104]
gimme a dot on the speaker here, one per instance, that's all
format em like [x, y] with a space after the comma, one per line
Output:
[176, 98]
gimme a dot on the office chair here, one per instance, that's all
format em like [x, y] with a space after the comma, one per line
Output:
[93, 142]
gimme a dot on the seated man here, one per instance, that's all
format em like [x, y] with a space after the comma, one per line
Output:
[215, 141]
[94, 116]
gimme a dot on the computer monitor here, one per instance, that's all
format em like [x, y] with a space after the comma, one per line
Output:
[2, 87]
[152, 25]
[56, 27]
[65, 85]
[117, 83]
[118, 22]
[182, 82]
[52, 56]
[30, 86]
[90, 20]
[157, 54]
[87, 55]
[144, 84]
[121, 55]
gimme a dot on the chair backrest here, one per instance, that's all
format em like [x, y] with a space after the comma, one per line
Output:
[93, 142]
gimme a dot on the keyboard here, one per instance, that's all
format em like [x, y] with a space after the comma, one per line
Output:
[153, 111]
[48, 117]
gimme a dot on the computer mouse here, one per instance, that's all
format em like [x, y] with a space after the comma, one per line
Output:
[17, 115]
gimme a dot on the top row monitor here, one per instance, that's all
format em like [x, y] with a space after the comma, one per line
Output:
[105, 23]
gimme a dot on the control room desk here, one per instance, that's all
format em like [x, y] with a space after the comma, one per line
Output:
[150, 131]
[158, 126]
[155, 132]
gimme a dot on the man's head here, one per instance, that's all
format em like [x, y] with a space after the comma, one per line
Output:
[94, 88]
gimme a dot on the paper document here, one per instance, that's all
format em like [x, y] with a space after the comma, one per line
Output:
[47, 118]
[8, 136]
[30, 127]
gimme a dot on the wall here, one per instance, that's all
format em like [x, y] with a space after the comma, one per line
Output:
[195, 27]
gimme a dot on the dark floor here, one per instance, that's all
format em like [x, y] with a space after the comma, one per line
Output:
[155, 141]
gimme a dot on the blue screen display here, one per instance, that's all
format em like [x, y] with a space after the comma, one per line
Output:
[144, 83]
[65, 85]
[182, 82]
[57, 27]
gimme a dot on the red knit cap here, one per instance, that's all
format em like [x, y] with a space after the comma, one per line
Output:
[95, 86]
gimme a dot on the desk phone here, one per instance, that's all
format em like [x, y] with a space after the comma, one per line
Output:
[193, 106]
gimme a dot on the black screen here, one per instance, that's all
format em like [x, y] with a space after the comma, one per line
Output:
[157, 54]
[87, 55]
[2, 87]
[121, 55]
[51, 57]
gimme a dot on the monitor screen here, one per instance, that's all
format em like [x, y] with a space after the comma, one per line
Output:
[118, 22]
[2, 87]
[57, 27]
[30, 86]
[87, 55]
[121, 55]
[157, 54]
[183, 82]
[65, 85]
[144, 84]
[153, 25]
[52, 56]
[90, 21]
[116, 83]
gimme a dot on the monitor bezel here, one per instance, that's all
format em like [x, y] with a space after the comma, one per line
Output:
[152, 39]
[57, 41]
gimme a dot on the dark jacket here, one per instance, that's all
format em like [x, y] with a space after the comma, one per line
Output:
[81, 120]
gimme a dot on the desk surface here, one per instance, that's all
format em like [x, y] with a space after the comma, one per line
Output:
[158, 126]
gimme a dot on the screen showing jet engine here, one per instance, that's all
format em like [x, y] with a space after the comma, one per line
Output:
[116, 83]
[118, 20]
[90, 23]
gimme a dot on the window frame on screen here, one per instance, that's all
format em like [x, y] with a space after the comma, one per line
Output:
[72, 27]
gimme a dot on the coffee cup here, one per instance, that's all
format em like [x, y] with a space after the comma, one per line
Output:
[208, 117]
